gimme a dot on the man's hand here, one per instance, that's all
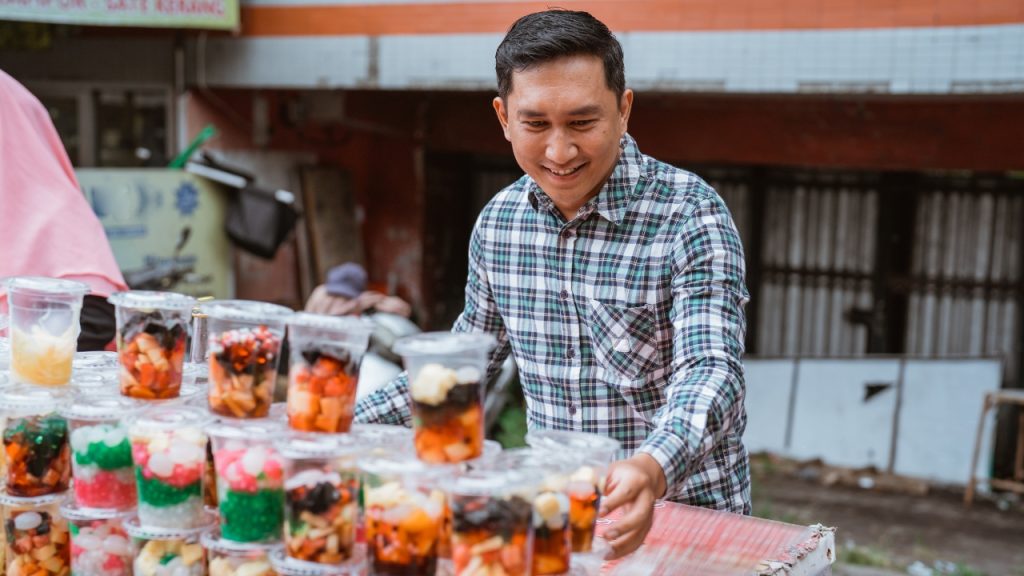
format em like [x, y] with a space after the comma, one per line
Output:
[633, 484]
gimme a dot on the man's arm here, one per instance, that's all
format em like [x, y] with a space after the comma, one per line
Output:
[391, 404]
[708, 326]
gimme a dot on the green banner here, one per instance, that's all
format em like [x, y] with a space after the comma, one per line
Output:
[145, 13]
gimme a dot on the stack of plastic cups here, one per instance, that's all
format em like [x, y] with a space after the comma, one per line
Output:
[44, 328]
[168, 552]
[321, 506]
[492, 522]
[404, 513]
[245, 345]
[99, 544]
[593, 454]
[250, 495]
[37, 470]
[152, 332]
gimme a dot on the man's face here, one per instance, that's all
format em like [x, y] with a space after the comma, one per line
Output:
[565, 124]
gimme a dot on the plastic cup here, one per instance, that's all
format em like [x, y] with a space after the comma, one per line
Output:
[104, 381]
[95, 360]
[287, 566]
[383, 439]
[245, 344]
[44, 328]
[37, 536]
[228, 558]
[99, 544]
[492, 523]
[152, 330]
[321, 497]
[169, 450]
[101, 452]
[37, 457]
[552, 541]
[250, 479]
[586, 487]
[323, 375]
[446, 373]
[404, 513]
[168, 552]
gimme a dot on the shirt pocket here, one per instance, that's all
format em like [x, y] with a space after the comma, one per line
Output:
[624, 338]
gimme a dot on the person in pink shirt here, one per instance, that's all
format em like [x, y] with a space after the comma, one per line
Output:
[47, 227]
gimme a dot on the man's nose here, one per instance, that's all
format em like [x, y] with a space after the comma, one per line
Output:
[561, 149]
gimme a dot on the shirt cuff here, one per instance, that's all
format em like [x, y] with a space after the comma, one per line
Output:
[669, 451]
[389, 405]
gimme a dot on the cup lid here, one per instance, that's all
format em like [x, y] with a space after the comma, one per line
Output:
[442, 343]
[152, 300]
[45, 285]
[581, 443]
[24, 397]
[72, 511]
[211, 540]
[287, 566]
[406, 466]
[98, 380]
[493, 482]
[34, 502]
[248, 311]
[382, 435]
[534, 459]
[307, 446]
[95, 359]
[98, 407]
[170, 417]
[345, 324]
[136, 529]
[255, 429]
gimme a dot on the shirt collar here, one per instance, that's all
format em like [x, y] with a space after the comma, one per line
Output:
[614, 198]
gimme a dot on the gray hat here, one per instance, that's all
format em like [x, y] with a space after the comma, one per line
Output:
[348, 280]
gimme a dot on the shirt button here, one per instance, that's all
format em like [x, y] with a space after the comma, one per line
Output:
[564, 294]
[572, 408]
[566, 234]
[570, 353]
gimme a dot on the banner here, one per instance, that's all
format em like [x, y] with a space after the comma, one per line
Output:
[144, 13]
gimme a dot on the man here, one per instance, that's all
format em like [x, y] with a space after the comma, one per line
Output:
[614, 279]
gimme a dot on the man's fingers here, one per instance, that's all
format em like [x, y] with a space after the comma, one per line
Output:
[625, 543]
[617, 496]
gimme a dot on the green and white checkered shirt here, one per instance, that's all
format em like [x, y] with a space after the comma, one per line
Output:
[626, 321]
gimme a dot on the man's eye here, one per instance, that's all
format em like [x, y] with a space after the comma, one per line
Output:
[582, 123]
[536, 123]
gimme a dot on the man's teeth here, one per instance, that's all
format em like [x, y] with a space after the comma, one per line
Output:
[564, 172]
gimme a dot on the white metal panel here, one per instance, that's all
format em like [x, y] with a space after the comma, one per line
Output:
[285, 62]
[939, 414]
[769, 383]
[464, 61]
[833, 421]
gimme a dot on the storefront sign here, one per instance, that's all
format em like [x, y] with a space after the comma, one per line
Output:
[145, 13]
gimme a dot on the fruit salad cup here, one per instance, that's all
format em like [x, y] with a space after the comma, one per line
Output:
[552, 541]
[593, 455]
[37, 457]
[152, 330]
[404, 513]
[321, 497]
[445, 372]
[324, 372]
[44, 327]
[99, 544]
[245, 344]
[250, 479]
[37, 536]
[228, 558]
[101, 452]
[168, 552]
[169, 450]
[492, 523]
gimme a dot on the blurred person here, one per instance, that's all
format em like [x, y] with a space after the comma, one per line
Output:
[47, 227]
[615, 280]
[345, 294]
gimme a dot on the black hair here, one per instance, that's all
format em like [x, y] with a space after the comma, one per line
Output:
[545, 36]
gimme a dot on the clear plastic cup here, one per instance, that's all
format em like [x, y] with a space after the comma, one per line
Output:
[99, 544]
[586, 486]
[95, 360]
[152, 330]
[37, 536]
[101, 450]
[288, 566]
[321, 497]
[552, 541]
[44, 328]
[168, 552]
[383, 439]
[245, 344]
[37, 457]
[492, 522]
[250, 479]
[103, 381]
[323, 375]
[228, 558]
[404, 513]
[446, 372]
[169, 450]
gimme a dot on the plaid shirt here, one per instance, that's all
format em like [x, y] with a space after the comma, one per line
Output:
[626, 321]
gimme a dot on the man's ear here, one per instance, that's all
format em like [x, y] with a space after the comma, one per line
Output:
[625, 107]
[502, 112]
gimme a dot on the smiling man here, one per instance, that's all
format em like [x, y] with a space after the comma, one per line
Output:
[615, 280]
